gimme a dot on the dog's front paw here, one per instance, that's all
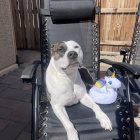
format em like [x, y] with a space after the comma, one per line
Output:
[72, 135]
[104, 120]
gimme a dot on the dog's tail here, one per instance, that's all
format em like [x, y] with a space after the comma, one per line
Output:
[86, 77]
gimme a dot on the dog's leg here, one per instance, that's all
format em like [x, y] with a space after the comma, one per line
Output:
[64, 110]
[100, 115]
[63, 117]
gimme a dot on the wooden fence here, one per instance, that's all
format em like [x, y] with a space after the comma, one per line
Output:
[26, 23]
[117, 23]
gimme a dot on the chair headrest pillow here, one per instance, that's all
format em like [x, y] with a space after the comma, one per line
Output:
[63, 11]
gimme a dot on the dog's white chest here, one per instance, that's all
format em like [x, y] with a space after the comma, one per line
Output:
[64, 94]
[70, 99]
[61, 90]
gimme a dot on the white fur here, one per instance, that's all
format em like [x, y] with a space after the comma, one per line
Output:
[66, 88]
[64, 61]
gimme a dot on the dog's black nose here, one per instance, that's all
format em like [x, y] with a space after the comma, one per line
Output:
[72, 55]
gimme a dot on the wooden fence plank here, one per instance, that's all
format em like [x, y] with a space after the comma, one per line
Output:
[36, 22]
[16, 19]
[116, 43]
[31, 23]
[27, 23]
[22, 31]
[118, 10]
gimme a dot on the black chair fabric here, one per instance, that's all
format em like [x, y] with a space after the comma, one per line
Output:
[87, 125]
[79, 32]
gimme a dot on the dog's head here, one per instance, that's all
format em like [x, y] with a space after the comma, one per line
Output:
[67, 54]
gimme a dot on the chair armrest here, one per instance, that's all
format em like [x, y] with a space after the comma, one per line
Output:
[30, 71]
[132, 69]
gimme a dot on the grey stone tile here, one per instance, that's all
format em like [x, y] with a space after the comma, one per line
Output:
[3, 124]
[12, 104]
[15, 111]
[20, 85]
[16, 72]
[5, 113]
[27, 98]
[16, 94]
[2, 87]
[9, 79]
[11, 131]
[15, 106]
[21, 115]
[27, 87]
[28, 128]
[2, 77]
[16, 85]
[24, 136]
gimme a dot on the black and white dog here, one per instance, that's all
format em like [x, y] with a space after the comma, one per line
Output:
[66, 88]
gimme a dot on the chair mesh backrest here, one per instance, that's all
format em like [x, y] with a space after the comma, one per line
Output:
[135, 48]
[83, 33]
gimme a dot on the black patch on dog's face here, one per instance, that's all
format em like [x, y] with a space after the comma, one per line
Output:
[58, 50]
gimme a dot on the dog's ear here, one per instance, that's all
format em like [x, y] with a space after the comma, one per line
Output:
[54, 48]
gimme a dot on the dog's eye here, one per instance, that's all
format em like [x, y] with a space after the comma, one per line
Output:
[76, 47]
[61, 49]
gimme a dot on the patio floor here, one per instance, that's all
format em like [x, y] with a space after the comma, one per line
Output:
[15, 104]
[15, 107]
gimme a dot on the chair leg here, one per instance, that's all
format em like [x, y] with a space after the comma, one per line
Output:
[35, 111]
[130, 106]
[132, 121]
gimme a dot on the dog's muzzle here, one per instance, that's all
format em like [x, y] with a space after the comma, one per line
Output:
[72, 55]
